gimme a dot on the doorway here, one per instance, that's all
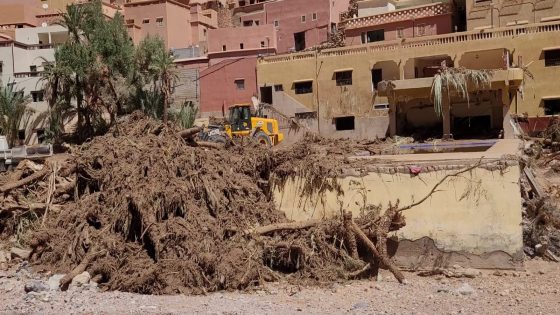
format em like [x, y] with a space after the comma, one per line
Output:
[299, 40]
[266, 94]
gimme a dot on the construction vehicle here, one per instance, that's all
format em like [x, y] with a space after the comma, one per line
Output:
[246, 123]
[10, 157]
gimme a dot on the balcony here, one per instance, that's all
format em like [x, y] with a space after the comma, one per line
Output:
[427, 41]
[500, 78]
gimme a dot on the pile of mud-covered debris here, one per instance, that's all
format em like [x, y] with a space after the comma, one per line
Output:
[144, 210]
[541, 191]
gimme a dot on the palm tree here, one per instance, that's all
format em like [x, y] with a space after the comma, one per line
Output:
[14, 113]
[166, 75]
[456, 81]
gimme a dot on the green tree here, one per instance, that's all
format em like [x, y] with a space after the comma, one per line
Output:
[14, 113]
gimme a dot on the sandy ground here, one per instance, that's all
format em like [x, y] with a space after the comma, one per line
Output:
[533, 291]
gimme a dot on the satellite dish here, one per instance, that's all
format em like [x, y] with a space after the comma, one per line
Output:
[255, 102]
[44, 24]
[45, 6]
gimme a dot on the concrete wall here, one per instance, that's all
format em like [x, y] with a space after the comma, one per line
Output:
[505, 13]
[217, 85]
[358, 98]
[251, 37]
[176, 29]
[470, 221]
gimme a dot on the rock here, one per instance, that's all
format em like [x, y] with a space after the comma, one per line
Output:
[360, 305]
[81, 279]
[54, 282]
[41, 296]
[499, 273]
[465, 289]
[20, 252]
[4, 260]
[36, 286]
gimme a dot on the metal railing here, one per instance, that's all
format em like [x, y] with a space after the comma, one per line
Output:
[436, 40]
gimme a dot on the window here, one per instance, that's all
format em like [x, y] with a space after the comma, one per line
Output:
[299, 41]
[304, 87]
[21, 134]
[1, 66]
[303, 19]
[146, 21]
[33, 68]
[373, 36]
[241, 46]
[552, 106]
[552, 58]
[306, 115]
[224, 48]
[262, 43]
[257, 22]
[130, 21]
[344, 123]
[376, 77]
[240, 84]
[381, 106]
[400, 32]
[204, 31]
[314, 17]
[159, 21]
[37, 96]
[276, 23]
[343, 78]
[421, 29]
[278, 88]
[247, 23]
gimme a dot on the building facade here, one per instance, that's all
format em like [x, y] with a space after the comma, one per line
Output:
[387, 22]
[341, 87]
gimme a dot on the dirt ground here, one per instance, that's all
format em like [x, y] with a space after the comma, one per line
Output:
[532, 291]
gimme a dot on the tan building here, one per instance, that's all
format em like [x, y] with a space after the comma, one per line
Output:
[168, 19]
[498, 13]
[341, 86]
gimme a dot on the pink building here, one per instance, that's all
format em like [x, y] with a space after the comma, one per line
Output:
[299, 24]
[232, 59]
[228, 82]
[168, 19]
[389, 23]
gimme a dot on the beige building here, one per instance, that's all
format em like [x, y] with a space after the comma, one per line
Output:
[342, 86]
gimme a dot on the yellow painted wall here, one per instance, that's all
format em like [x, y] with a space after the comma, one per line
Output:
[478, 213]
[525, 43]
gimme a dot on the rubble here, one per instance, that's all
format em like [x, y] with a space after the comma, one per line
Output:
[143, 209]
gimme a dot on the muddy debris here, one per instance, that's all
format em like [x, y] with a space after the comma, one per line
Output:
[147, 209]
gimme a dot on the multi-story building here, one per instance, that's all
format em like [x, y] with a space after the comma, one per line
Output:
[22, 58]
[232, 59]
[482, 14]
[168, 19]
[340, 88]
[299, 24]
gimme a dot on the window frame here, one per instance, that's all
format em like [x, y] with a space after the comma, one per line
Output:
[160, 21]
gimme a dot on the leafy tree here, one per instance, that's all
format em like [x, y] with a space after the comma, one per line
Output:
[14, 113]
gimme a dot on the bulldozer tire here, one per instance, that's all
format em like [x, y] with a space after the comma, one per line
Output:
[262, 138]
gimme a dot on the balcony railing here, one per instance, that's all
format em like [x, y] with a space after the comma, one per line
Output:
[31, 74]
[436, 40]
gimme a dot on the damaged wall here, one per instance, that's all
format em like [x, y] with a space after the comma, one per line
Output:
[471, 221]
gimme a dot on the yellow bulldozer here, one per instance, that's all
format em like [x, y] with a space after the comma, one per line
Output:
[243, 122]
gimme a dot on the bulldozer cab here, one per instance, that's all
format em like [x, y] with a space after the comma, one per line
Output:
[240, 117]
